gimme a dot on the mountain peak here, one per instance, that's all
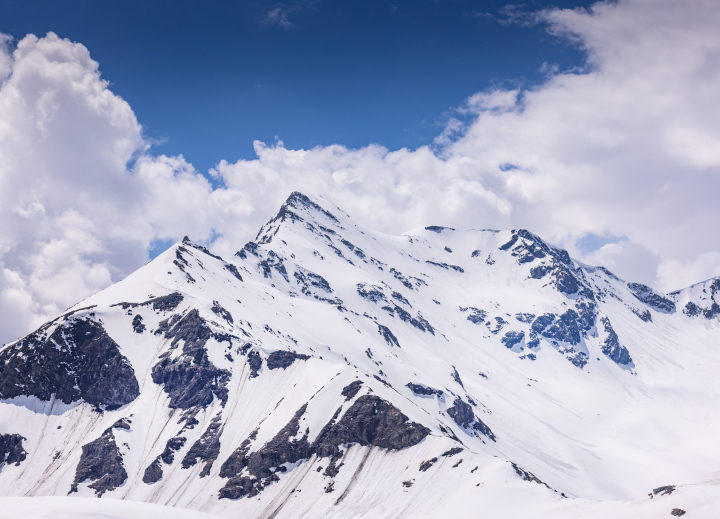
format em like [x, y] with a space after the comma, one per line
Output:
[325, 353]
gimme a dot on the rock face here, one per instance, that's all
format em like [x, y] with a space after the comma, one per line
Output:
[102, 463]
[651, 298]
[283, 359]
[612, 347]
[330, 369]
[370, 421]
[190, 379]
[69, 360]
[11, 449]
[206, 449]
[463, 415]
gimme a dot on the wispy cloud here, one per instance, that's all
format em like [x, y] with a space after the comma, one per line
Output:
[279, 16]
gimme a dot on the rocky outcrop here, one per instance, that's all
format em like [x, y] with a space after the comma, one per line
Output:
[370, 421]
[611, 346]
[190, 379]
[102, 463]
[283, 359]
[11, 450]
[351, 389]
[651, 298]
[73, 360]
[206, 448]
[463, 415]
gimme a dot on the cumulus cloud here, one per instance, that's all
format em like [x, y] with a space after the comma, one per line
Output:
[627, 146]
[74, 217]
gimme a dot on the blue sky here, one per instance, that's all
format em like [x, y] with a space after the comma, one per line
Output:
[209, 77]
[597, 128]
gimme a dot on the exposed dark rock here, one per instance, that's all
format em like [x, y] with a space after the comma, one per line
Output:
[446, 266]
[351, 389]
[153, 473]
[664, 491]
[527, 476]
[137, 324]
[233, 270]
[476, 315]
[651, 298]
[644, 315]
[418, 321]
[357, 250]
[283, 359]
[565, 282]
[692, 310]
[165, 303]
[206, 448]
[382, 381]
[401, 278]
[420, 389]
[190, 379]
[476, 253]
[452, 452]
[677, 512]
[238, 459]
[388, 335]
[171, 447]
[276, 452]
[496, 325]
[511, 338]
[399, 297]
[611, 346]
[456, 377]
[525, 318]
[427, 464]
[407, 483]
[540, 271]
[255, 363]
[221, 312]
[372, 293]
[370, 421]
[273, 262]
[308, 279]
[438, 229]
[101, 462]
[463, 415]
[542, 322]
[249, 248]
[11, 449]
[78, 360]
[186, 241]
[561, 329]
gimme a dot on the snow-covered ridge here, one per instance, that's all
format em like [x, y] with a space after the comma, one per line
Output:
[326, 368]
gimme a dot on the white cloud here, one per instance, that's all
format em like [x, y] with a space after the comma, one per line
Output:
[627, 146]
[74, 218]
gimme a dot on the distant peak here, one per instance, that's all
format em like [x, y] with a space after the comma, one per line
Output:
[299, 201]
[438, 228]
[297, 208]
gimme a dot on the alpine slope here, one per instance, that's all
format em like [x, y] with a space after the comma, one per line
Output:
[328, 370]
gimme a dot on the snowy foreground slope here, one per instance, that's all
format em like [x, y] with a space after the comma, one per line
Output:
[327, 370]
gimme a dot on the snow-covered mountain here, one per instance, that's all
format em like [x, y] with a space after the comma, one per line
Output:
[330, 370]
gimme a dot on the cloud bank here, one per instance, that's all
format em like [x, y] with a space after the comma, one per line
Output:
[623, 153]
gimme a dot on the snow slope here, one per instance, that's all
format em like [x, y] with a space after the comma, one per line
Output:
[330, 369]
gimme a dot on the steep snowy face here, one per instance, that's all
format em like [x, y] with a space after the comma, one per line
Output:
[700, 300]
[326, 368]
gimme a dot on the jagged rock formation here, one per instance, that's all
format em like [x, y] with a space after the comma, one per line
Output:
[326, 368]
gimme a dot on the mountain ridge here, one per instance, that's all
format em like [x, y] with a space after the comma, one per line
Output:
[322, 350]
